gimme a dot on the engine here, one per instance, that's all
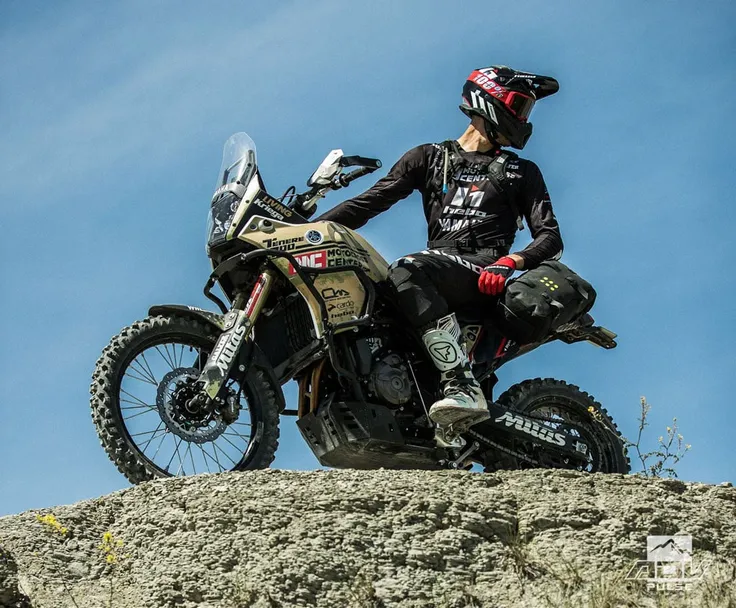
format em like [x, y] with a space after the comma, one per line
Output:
[389, 380]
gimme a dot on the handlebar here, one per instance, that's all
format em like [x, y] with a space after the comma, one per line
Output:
[360, 161]
[305, 203]
[344, 180]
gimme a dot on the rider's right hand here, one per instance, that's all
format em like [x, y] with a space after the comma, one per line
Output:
[493, 278]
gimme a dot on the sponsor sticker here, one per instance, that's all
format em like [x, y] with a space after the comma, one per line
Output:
[314, 259]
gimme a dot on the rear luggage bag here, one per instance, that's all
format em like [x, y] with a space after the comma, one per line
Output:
[541, 300]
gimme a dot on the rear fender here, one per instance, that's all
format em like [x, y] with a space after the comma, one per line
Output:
[249, 353]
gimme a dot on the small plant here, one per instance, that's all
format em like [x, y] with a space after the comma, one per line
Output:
[54, 525]
[54, 528]
[111, 548]
[669, 451]
[363, 591]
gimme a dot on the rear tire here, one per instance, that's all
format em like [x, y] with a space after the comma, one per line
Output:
[542, 395]
[105, 396]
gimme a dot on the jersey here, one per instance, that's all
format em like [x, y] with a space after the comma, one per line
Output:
[474, 211]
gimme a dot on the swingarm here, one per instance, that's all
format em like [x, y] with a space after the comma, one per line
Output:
[523, 427]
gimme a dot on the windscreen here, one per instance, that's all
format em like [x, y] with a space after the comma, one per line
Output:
[238, 166]
[238, 160]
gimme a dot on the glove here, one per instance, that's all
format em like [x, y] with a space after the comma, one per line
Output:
[493, 278]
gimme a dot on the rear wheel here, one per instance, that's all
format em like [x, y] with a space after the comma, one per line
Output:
[563, 406]
[141, 405]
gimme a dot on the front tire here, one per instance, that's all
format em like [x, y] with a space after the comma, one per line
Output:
[117, 363]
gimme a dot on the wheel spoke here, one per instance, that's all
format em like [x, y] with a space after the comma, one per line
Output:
[224, 453]
[151, 438]
[160, 443]
[136, 407]
[143, 371]
[214, 459]
[206, 462]
[148, 367]
[140, 414]
[181, 462]
[189, 451]
[165, 358]
[224, 436]
[148, 432]
[171, 353]
[137, 399]
[140, 379]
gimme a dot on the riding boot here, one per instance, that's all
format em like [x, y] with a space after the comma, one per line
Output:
[464, 403]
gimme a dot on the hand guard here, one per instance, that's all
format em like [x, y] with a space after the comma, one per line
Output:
[493, 278]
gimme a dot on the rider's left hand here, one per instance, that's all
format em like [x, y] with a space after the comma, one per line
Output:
[493, 278]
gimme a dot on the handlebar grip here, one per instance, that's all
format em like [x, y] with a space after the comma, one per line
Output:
[353, 175]
[360, 161]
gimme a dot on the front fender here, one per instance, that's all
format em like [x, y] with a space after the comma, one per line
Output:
[257, 359]
[191, 312]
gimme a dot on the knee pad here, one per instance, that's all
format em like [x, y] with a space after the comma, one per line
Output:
[417, 295]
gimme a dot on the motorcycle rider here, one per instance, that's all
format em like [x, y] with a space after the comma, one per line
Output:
[474, 195]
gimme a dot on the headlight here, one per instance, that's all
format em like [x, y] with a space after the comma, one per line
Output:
[220, 218]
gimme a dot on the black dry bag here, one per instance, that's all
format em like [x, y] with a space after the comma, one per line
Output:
[542, 300]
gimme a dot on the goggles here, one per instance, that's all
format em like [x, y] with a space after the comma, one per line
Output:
[519, 104]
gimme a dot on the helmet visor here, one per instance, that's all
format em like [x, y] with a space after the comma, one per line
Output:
[520, 105]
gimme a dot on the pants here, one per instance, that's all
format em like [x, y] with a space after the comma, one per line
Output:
[435, 282]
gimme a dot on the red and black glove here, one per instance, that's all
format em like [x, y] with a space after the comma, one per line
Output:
[493, 278]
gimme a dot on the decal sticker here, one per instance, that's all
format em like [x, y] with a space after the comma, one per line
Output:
[532, 428]
[331, 294]
[283, 244]
[272, 207]
[229, 349]
[344, 256]
[349, 304]
[315, 259]
[314, 236]
[444, 351]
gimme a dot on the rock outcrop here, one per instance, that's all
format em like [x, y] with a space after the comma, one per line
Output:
[368, 538]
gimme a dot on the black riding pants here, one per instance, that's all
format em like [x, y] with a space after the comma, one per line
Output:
[435, 282]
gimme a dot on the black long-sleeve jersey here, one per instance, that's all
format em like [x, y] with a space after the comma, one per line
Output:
[473, 210]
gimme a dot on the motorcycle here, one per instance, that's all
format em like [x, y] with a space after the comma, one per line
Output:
[187, 391]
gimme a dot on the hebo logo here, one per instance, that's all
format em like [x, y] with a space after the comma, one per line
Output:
[549, 283]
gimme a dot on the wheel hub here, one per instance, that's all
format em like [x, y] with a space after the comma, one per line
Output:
[183, 412]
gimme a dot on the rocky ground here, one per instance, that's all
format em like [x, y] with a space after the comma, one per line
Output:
[368, 539]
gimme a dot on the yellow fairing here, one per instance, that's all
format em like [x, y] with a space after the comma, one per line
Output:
[322, 245]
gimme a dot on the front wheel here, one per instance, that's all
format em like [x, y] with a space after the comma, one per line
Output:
[142, 408]
[558, 404]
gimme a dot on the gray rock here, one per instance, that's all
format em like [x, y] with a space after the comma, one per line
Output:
[370, 538]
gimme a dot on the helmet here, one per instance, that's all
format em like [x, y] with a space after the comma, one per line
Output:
[504, 98]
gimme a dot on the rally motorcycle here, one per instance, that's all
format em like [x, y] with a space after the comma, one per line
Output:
[188, 391]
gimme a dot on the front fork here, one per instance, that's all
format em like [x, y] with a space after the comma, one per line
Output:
[239, 323]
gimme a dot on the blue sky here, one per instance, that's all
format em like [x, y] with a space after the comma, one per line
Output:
[113, 117]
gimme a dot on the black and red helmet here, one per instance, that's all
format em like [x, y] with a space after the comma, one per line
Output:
[504, 98]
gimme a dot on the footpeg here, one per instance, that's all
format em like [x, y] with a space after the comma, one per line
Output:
[446, 437]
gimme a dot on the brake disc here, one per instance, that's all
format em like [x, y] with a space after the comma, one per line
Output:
[197, 426]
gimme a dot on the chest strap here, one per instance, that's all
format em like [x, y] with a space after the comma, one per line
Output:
[452, 161]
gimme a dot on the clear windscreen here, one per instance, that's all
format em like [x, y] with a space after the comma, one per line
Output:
[238, 166]
[238, 160]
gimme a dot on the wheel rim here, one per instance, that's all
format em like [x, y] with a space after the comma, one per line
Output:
[557, 415]
[177, 442]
